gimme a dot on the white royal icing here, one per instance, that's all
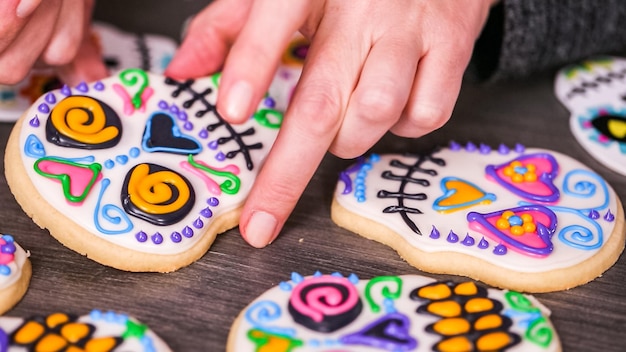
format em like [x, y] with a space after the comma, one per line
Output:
[389, 318]
[191, 106]
[593, 91]
[390, 189]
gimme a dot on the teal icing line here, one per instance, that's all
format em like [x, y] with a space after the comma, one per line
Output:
[106, 209]
[447, 193]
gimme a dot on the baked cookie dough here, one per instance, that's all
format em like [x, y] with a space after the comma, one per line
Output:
[530, 220]
[391, 313]
[15, 273]
[97, 331]
[137, 171]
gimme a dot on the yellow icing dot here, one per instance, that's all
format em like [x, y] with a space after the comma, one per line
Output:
[502, 224]
[74, 332]
[494, 341]
[29, 333]
[53, 320]
[530, 177]
[517, 230]
[487, 322]
[466, 289]
[526, 217]
[100, 344]
[452, 326]
[435, 292]
[78, 349]
[51, 342]
[517, 178]
[476, 305]
[446, 309]
[455, 344]
[508, 171]
[530, 227]
[507, 214]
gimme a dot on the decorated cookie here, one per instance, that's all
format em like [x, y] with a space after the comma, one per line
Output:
[289, 70]
[138, 171]
[529, 220]
[98, 331]
[15, 272]
[391, 313]
[119, 50]
[594, 92]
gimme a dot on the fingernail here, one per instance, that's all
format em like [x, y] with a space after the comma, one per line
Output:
[238, 100]
[260, 230]
[26, 7]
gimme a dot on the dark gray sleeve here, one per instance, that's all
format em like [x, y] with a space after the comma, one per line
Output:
[526, 36]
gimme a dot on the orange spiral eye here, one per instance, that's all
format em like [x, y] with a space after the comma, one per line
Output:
[157, 194]
[83, 122]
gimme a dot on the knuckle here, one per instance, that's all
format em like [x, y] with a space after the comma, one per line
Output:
[346, 150]
[321, 107]
[423, 119]
[379, 104]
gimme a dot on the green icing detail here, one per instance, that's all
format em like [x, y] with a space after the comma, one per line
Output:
[385, 291]
[215, 78]
[540, 332]
[519, 302]
[232, 183]
[262, 117]
[133, 329]
[131, 77]
[262, 338]
[65, 179]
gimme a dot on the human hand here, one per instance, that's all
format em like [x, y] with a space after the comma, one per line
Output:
[49, 33]
[372, 66]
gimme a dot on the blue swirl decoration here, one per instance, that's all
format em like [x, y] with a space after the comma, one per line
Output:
[581, 237]
[111, 213]
[263, 313]
[586, 184]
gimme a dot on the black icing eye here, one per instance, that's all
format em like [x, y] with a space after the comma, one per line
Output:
[611, 126]
[111, 62]
[83, 122]
[157, 194]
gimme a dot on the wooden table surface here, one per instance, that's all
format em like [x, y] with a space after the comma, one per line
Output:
[193, 308]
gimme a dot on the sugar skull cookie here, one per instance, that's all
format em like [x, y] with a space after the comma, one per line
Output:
[391, 313]
[137, 171]
[15, 272]
[594, 91]
[119, 50]
[530, 220]
[96, 331]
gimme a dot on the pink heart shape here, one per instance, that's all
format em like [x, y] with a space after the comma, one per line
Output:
[538, 244]
[541, 189]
